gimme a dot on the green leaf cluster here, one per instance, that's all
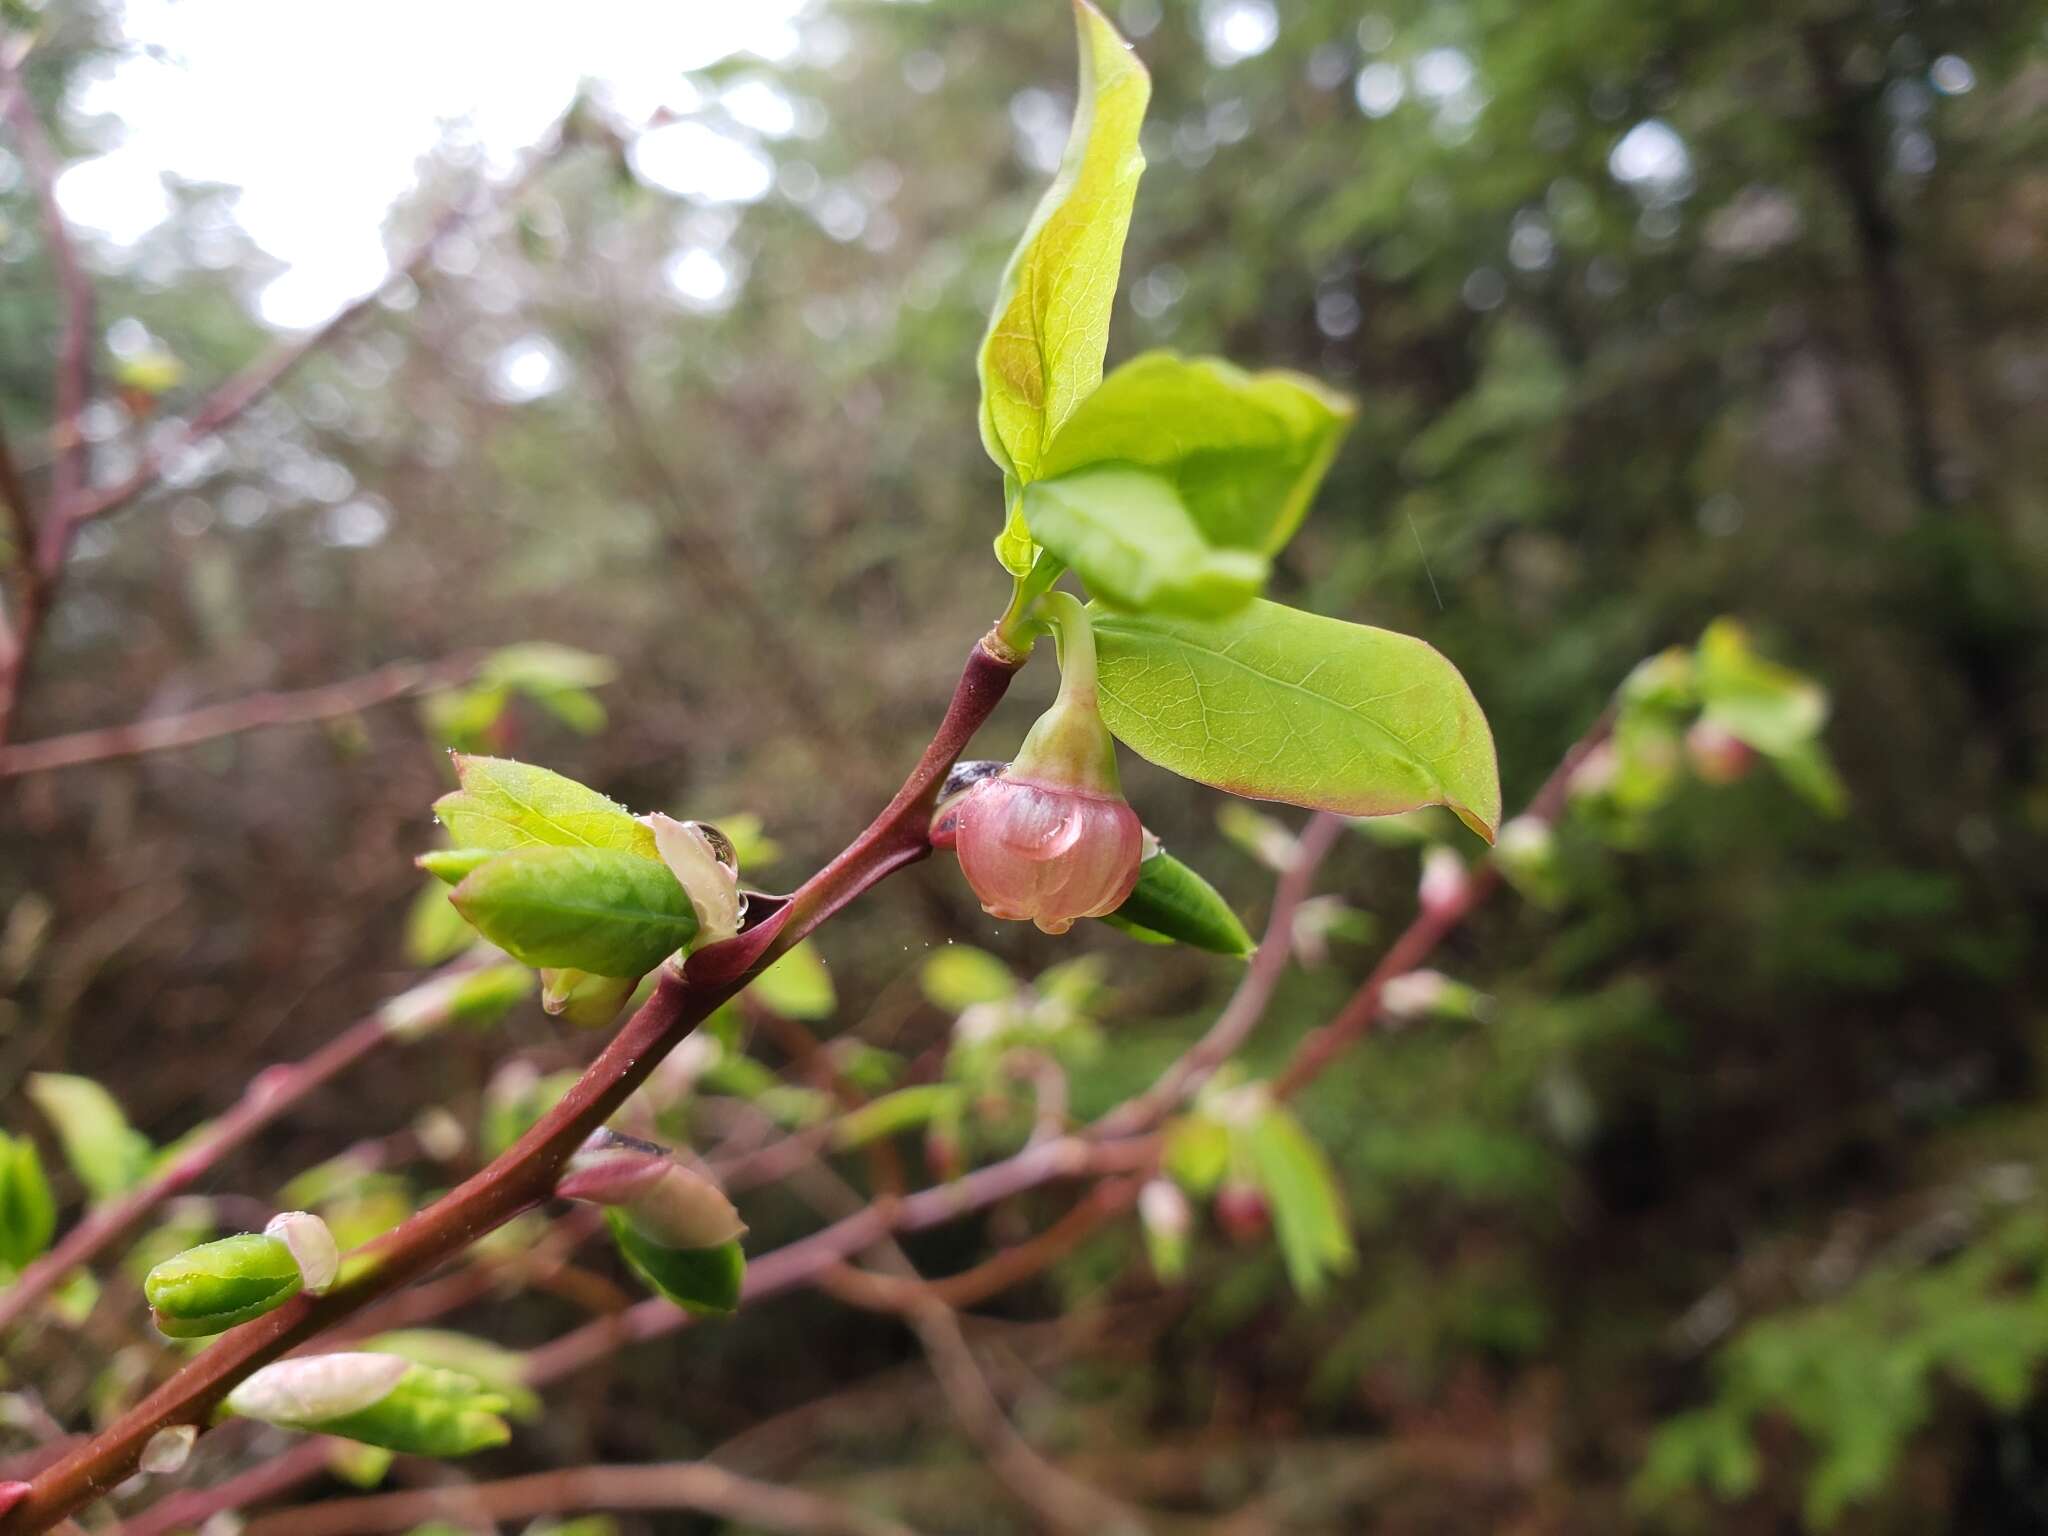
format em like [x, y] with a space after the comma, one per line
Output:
[1168, 488]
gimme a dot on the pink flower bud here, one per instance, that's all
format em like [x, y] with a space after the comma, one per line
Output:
[1718, 755]
[11, 1494]
[1445, 882]
[1048, 853]
[1242, 1212]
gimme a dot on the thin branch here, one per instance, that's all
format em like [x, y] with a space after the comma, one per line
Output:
[234, 397]
[1061, 1502]
[252, 712]
[74, 360]
[1322, 1046]
[269, 1096]
[671, 1485]
[525, 1175]
[1247, 1004]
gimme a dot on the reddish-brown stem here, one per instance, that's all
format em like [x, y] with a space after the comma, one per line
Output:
[825, 1251]
[525, 1175]
[270, 1095]
[673, 1485]
[251, 712]
[1323, 1045]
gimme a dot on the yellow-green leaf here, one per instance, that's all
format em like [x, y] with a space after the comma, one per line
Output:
[1126, 534]
[1043, 352]
[505, 804]
[1277, 704]
[1245, 451]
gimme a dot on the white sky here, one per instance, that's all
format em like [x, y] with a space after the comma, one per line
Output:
[319, 110]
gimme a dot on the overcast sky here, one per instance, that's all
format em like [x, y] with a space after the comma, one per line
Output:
[319, 110]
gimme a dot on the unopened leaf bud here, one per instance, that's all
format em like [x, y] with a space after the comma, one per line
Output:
[168, 1449]
[376, 1399]
[703, 861]
[661, 1199]
[214, 1287]
[584, 1000]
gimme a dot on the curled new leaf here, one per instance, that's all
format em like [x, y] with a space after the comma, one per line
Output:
[377, 1399]
[1043, 352]
[218, 1285]
[505, 804]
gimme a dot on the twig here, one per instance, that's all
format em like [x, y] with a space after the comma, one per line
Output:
[672, 1485]
[252, 712]
[74, 360]
[40, 551]
[1247, 1004]
[268, 1097]
[1431, 925]
[525, 1174]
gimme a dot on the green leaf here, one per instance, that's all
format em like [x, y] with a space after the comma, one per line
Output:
[1245, 451]
[109, 1156]
[28, 1211]
[1126, 534]
[1772, 708]
[703, 1280]
[1173, 902]
[797, 986]
[1277, 704]
[894, 1113]
[449, 865]
[1042, 355]
[959, 976]
[503, 804]
[434, 930]
[587, 909]
[212, 1288]
[1308, 1211]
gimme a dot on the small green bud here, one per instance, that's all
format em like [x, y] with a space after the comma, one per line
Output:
[211, 1288]
[376, 1399]
[584, 1000]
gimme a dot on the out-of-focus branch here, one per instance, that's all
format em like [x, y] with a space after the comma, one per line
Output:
[234, 397]
[74, 358]
[1431, 926]
[1247, 1004]
[673, 1485]
[39, 551]
[251, 712]
[269, 1096]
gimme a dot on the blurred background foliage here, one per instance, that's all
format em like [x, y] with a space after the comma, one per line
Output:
[1724, 1215]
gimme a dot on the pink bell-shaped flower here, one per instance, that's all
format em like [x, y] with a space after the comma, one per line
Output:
[1052, 839]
